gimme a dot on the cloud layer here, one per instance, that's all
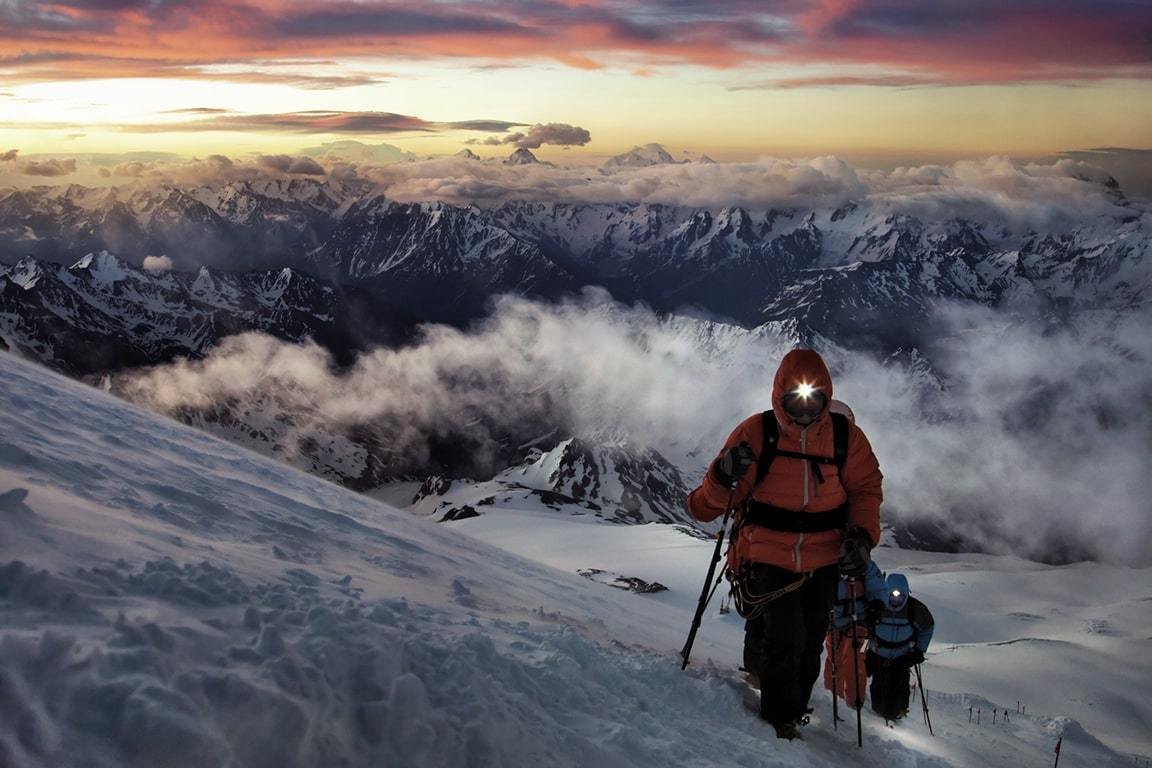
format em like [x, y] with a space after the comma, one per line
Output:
[1030, 195]
[1046, 196]
[981, 41]
[1038, 440]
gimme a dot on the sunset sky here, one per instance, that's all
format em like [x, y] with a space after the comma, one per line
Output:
[869, 80]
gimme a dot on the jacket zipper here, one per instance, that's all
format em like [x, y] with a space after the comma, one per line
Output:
[807, 482]
[807, 479]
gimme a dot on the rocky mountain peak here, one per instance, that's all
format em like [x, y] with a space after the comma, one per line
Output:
[521, 156]
[26, 273]
[627, 483]
[640, 157]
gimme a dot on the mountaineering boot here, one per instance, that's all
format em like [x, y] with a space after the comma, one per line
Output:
[789, 730]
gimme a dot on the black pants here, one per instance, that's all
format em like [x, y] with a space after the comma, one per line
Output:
[784, 643]
[890, 689]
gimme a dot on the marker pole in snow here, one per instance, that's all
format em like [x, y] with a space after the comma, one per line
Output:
[924, 700]
[705, 593]
[859, 703]
[835, 686]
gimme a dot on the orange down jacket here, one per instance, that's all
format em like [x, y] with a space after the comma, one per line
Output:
[791, 484]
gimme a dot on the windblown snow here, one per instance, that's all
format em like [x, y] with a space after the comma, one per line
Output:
[171, 599]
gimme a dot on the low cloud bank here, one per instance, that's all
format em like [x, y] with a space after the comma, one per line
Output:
[997, 189]
[1037, 444]
[1042, 197]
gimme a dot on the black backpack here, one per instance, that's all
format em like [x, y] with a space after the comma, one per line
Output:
[769, 451]
[777, 518]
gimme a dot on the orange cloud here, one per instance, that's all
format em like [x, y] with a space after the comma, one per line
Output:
[986, 41]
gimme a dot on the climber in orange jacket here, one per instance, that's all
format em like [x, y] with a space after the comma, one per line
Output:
[808, 515]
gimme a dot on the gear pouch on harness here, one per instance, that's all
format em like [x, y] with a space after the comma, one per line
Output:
[748, 597]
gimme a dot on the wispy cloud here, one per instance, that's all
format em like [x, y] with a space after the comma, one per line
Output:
[300, 80]
[317, 121]
[846, 80]
[198, 111]
[75, 65]
[345, 20]
[488, 126]
[982, 41]
[356, 124]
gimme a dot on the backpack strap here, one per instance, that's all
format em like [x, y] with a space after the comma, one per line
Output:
[770, 450]
[839, 439]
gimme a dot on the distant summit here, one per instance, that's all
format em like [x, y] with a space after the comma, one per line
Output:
[521, 156]
[357, 151]
[467, 154]
[641, 157]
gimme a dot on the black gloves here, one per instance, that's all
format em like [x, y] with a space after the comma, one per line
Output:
[915, 657]
[854, 557]
[731, 465]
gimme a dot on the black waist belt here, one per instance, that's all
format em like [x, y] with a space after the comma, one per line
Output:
[791, 521]
[893, 644]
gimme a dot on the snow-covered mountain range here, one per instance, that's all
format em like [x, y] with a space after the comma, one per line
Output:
[346, 265]
[246, 225]
[101, 313]
[862, 268]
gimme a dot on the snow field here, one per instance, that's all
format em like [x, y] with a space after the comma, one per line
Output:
[170, 599]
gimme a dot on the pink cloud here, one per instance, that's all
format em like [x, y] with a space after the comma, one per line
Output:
[940, 42]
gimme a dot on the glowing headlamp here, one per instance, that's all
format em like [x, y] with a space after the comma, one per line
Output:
[805, 390]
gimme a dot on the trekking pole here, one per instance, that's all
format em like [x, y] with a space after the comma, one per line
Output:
[924, 699]
[835, 684]
[856, 666]
[705, 594]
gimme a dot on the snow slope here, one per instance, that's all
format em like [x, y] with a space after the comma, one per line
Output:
[171, 599]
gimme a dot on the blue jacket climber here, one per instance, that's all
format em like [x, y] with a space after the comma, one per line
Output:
[902, 624]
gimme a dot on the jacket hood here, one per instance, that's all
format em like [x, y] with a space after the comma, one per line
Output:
[800, 366]
[897, 581]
